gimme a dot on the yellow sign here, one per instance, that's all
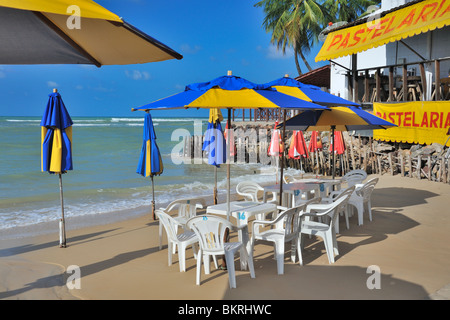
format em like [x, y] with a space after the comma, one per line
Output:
[422, 122]
[409, 21]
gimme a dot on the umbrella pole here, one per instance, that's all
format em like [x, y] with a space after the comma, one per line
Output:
[215, 185]
[228, 165]
[153, 200]
[282, 157]
[332, 150]
[62, 227]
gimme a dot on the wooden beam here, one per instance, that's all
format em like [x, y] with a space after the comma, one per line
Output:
[405, 82]
[391, 84]
[437, 82]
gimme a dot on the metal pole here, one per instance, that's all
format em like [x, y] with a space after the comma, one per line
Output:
[228, 164]
[62, 239]
[153, 201]
[333, 127]
[282, 156]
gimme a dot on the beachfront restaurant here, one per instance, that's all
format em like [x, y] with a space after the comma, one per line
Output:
[396, 63]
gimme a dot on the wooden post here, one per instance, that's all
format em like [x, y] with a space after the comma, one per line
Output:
[351, 153]
[423, 79]
[391, 84]
[437, 74]
[419, 166]
[355, 77]
[378, 84]
[379, 165]
[429, 167]
[410, 165]
[405, 83]
[402, 165]
[366, 87]
[391, 170]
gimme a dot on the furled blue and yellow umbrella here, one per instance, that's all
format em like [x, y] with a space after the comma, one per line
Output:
[150, 161]
[56, 146]
[214, 144]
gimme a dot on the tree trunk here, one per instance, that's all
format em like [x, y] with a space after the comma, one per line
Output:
[304, 60]
[299, 70]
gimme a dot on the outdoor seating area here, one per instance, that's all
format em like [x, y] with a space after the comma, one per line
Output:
[312, 207]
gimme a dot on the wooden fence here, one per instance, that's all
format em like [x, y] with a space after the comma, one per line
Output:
[361, 153]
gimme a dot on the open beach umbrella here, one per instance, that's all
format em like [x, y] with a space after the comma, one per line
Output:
[308, 92]
[336, 118]
[72, 32]
[229, 92]
[214, 143]
[56, 147]
[150, 161]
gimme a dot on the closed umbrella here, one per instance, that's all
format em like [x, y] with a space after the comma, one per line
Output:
[338, 145]
[56, 147]
[315, 144]
[229, 92]
[73, 32]
[336, 118]
[298, 148]
[276, 146]
[232, 145]
[150, 161]
[214, 143]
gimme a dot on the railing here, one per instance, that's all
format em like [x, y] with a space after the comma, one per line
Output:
[391, 88]
[263, 114]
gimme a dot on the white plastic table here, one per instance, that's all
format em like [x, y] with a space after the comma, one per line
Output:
[241, 211]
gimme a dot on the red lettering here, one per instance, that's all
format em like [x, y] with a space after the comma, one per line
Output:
[441, 118]
[439, 9]
[446, 10]
[424, 120]
[423, 15]
[390, 23]
[409, 19]
[391, 119]
[379, 28]
[407, 118]
[345, 41]
[356, 38]
[433, 119]
[399, 114]
[414, 124]
[337, 38]
[447, 121]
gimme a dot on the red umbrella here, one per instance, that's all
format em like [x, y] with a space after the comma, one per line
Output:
[315, 144]
[276, 146]
[339, 143]
[298, 147]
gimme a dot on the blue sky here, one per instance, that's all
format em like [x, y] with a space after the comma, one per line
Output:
[213, 37]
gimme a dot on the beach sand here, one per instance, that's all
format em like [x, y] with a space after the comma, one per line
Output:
[408, 240]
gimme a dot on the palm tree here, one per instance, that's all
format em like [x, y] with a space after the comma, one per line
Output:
[298, 23]
[293, 23]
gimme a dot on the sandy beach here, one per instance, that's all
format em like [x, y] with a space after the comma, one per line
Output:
[408, 240]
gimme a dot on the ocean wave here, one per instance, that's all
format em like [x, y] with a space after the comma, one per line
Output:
[23, 120]
[127, 119]
[91, 124]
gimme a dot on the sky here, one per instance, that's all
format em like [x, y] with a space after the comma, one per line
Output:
[212, 36]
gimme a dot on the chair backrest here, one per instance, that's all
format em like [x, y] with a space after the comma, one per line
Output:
[338, 205]
[367, 188]
[249, 190]
[211, 232]
[354, 177]
[186, 207]
[170, 225]
[288, 178]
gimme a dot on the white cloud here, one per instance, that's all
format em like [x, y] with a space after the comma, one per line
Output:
[187, 49]
[52, 84]
[137, 75]
[274, 53]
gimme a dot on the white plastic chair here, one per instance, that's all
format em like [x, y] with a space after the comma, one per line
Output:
[187, 208]
[362, 198]
[353, 177]
[325, 230]
[211, 233]
[250, 191]
[182, 241]
[285, 228]
[333, 196]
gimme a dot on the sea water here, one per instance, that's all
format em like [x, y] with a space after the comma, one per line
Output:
[103, 184]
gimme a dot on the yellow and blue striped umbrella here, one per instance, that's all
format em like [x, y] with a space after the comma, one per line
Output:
[308, 92]
[56, 146]
[150, 161]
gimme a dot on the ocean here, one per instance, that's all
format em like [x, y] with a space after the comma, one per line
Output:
[103, 185]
